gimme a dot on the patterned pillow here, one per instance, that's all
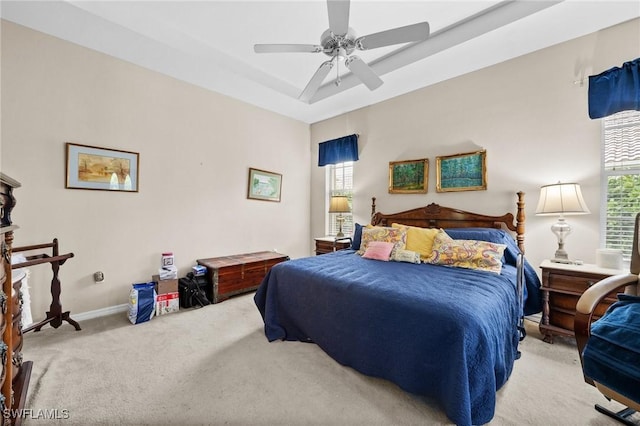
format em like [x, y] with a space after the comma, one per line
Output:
[419, 239]
[384, 234]
[377, 250]
[405, 256]
[469, 254]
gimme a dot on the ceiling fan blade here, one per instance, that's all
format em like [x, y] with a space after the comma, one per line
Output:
[287, 48]
[338, 16]
[316, 81]
[414, 32]
[363, 72]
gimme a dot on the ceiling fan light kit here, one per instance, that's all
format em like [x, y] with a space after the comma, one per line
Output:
[340, 41]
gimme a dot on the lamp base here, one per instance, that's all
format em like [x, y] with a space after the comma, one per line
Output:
[340, 219]
[561, 229]
[561, 255]
[560, 260]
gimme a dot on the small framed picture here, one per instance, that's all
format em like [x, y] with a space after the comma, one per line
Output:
[91, 167]
[461, 172]
[408, 177]
[264, 185]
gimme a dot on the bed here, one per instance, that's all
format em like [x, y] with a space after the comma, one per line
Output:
[448, 333]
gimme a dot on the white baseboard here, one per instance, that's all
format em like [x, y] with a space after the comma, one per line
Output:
[103, 312]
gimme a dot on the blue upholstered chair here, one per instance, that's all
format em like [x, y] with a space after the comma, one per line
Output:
[610, 346]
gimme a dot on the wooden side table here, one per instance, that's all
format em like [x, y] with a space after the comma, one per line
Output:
[562, 286]
[329, 244]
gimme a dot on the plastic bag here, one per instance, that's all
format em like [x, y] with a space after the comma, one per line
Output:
[142, 302]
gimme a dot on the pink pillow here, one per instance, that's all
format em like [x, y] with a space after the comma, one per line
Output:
[378, 250]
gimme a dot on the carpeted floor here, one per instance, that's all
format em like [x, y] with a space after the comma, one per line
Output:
[214, 366]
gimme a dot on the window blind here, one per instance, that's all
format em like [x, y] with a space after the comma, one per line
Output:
[621, 174]
[340, 182]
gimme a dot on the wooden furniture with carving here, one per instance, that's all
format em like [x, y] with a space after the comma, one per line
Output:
[55, 315]
[16, 373]
[330, 244]
[562, 286]
[436, 216]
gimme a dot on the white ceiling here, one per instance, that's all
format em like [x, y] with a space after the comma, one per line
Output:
[210, 43]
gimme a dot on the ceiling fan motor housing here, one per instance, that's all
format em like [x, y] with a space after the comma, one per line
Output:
[332, 43]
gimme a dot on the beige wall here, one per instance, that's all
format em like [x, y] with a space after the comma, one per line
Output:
[527, 113]
[196, 147]
[195, 150]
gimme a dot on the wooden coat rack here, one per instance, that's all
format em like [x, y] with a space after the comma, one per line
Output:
[55, 316]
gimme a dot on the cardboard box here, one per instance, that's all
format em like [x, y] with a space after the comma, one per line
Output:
[167, 303]
[168, 299]
[165, 286]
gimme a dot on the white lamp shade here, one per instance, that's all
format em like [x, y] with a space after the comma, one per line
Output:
[339, 204]
[561, 199]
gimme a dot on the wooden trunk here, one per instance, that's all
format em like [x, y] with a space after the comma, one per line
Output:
[240, 273]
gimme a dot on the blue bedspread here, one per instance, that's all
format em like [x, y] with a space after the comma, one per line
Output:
[448, 333]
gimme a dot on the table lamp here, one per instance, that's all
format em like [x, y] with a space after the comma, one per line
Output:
[339, 204]
[561, 199]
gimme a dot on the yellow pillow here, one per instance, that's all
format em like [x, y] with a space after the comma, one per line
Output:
[469, 254]
[419, 239]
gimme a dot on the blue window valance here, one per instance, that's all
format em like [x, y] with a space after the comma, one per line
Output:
[615, 90]
[338, 150]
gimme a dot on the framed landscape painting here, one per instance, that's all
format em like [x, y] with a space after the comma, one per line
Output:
[264, 185]
[408, 177]
[91, 167]
[461, 172]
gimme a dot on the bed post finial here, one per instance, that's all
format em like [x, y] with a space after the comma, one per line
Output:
[373, 206]
[520, 220]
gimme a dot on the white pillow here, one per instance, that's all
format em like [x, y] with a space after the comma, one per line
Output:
[405, 256]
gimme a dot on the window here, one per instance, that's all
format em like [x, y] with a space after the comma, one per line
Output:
[340, 182]
[620, 179]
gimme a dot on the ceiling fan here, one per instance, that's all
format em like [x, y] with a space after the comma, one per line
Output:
[340, 41]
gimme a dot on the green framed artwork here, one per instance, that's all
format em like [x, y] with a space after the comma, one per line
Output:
[461, 172]
[264, 185]
[409, 176]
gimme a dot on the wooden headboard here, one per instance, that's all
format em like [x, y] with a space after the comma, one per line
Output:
[436, 216]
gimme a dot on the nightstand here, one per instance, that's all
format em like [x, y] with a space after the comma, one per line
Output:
[329, 244]
[562, 286]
